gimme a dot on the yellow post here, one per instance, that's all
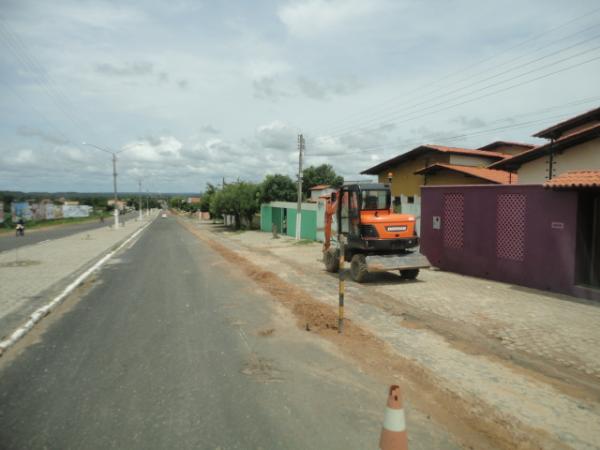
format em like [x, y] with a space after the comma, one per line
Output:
[341, 289]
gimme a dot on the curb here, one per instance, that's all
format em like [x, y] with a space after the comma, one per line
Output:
[43, 311]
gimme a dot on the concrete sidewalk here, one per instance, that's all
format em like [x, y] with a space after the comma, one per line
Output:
[31, 276]
[529, 357]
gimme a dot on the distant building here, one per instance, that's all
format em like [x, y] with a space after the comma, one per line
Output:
[120, 204]
[193, 200]
[407, 169]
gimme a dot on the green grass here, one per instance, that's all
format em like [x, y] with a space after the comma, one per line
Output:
[303, 242]
[8, 225]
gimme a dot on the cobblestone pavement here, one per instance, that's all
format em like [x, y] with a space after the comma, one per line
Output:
[557, 329]
[561, 329]
[30, 276]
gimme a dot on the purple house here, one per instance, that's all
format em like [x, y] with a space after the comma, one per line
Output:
[543, 232]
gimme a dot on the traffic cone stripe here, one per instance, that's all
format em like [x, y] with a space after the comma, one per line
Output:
[394, 420]
[393, 431]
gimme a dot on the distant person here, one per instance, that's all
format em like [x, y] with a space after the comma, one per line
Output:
[21, 227]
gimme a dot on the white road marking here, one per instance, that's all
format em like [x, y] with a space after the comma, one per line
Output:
[133, 243]
[40, 313]
[42, 242]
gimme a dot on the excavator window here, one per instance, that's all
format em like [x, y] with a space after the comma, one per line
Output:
[374, 200]
[349, 215]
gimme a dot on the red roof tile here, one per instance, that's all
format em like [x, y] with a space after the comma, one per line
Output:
[319, 186]
[495, 176]
[574, 179]
[467, 151]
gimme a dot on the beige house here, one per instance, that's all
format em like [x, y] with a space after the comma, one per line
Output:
[431, 164]
[574, 145]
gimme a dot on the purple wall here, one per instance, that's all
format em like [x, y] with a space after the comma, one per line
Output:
[517, 234]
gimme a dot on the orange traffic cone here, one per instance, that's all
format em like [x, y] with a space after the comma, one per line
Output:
[393, 433]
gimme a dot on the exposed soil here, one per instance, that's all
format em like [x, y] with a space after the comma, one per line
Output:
[481, 342]
[266, 332]
[474, 424]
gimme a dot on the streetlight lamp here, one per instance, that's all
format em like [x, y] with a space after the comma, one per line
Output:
[114, 161]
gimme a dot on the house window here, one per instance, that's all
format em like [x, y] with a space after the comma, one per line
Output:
[410, 199]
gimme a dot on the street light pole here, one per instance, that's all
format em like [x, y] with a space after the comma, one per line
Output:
[114, 161]
[140, 202]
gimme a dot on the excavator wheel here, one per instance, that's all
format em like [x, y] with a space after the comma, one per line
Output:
[358, 268]
[331, 258]
[409, 274]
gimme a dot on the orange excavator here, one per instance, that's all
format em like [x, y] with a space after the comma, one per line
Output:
[361, 226]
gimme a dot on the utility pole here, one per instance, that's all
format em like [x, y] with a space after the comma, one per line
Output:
[114, 164]
[147, 202]
[114, 159]
[299, 207]
[140, 201]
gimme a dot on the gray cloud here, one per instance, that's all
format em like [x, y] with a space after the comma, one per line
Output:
[312, 89]
[276, 135]
[163, 77]
[469, 122]
[265, 88]
[429, 135]
[323, 90]
[125, 70]
[208, 128]
[183, 84]
[42, 135]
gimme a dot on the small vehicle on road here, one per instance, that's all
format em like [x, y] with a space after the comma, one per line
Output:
[164, 215]
[20, 230]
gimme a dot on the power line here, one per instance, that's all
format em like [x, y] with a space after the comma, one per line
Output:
[446, 77]
[19, 50]
[428, 109]
[37, 111]
[476, 133]
[378, 117]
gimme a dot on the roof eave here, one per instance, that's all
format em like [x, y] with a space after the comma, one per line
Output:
[554, 131]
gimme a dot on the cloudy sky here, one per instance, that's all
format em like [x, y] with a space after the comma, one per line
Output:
[193, 91]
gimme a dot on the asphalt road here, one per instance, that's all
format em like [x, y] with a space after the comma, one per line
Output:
[10, 241]
[172, 348]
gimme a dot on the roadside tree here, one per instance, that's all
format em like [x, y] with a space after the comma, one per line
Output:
[323, 174]
[277, 188]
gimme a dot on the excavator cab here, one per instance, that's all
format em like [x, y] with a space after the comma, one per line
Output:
[372, 237]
